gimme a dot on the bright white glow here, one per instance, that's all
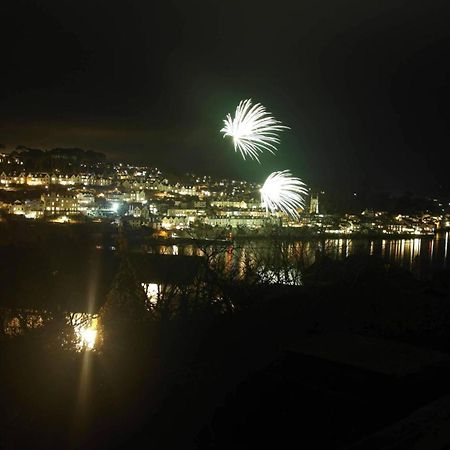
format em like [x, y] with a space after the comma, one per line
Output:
[283, 192]
[88, 337]
[152, 291]
[62, 219]
[85, 327]
[253, 129]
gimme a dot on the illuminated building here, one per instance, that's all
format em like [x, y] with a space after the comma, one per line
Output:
[229, 204]
[38, 179]
[170, 222]
[86, 198]
[17, 208]
[14, 178]
[314, 204]
[135, 196]
[60, 203]
[242, 221]
[139, 210]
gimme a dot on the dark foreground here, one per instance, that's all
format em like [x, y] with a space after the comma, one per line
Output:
[358, 358]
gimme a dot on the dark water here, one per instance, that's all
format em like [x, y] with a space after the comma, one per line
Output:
[421, 255]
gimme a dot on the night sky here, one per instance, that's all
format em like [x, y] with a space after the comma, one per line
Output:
[364, 85]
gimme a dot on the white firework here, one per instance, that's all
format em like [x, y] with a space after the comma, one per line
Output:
[283, 192]
[253, 129]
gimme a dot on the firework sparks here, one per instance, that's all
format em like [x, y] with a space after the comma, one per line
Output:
[253, 129]
[283, 192]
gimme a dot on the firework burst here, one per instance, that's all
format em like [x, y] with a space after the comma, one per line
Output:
[253, 129]
[283, 192]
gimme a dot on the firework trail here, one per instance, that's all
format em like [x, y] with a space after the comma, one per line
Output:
[253, 130]
[283, 192]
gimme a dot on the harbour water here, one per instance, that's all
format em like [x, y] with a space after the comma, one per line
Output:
[423, 255]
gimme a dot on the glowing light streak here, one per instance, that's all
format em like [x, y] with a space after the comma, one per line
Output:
[446, 249]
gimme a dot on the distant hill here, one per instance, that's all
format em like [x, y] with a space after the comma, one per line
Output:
[63, 159]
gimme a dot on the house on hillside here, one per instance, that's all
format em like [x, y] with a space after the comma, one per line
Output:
[165, 278]
[38, 286]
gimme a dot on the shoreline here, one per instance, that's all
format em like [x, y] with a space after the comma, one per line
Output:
[288, 237]
[311, 237]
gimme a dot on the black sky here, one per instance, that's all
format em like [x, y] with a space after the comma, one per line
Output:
[364, 85]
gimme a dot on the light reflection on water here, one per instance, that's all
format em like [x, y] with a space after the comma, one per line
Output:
[421, 255]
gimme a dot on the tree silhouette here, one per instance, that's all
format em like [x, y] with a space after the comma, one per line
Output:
[125, 305]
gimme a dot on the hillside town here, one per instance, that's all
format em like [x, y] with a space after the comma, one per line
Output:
[78, 186]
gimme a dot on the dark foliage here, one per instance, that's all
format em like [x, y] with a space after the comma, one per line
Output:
[232, 377]
[66, 160]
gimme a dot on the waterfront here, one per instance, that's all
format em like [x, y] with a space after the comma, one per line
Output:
[422, 256]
